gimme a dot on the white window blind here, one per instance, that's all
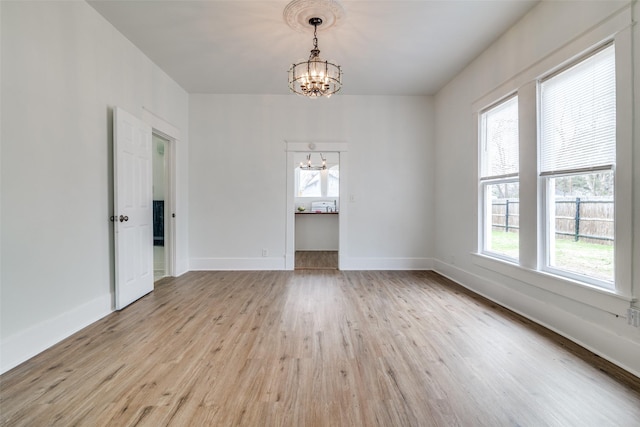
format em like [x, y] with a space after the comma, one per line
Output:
[499, 127]
[578, 116]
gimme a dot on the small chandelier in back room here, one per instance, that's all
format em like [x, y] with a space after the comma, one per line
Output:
[315, 77]
[309, 166]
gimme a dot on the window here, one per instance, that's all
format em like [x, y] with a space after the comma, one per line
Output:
[308, 183]
[318, 183]
[577, 158]
[499, 179]
[574, 180]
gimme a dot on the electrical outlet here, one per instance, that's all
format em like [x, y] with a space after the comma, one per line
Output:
[633, 317]
[265, 252]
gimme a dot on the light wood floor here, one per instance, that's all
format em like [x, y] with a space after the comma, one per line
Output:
[316, 348]
[316, 260]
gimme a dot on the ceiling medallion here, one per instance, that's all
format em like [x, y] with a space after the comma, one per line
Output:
[298, 13]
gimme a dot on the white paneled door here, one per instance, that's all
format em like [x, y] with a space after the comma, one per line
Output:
[133, 208]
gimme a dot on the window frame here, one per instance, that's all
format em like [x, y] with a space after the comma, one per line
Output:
[334, 168]
[544, 176]
[486, 214]
[487, 217]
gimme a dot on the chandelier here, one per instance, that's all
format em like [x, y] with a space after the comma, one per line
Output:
[315, 77]
[309, 166]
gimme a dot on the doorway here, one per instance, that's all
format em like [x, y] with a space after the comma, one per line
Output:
[330, 211]
[317, 207]
[159, 156]
[165, 141]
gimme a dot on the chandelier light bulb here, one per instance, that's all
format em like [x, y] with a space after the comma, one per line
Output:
[310, 166]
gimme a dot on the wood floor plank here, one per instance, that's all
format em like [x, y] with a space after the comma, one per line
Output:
[316, 348]
[316, 260]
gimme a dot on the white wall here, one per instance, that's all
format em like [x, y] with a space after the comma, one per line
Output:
[548, 27]
[238, 176]
[63, 70]
[316, 232]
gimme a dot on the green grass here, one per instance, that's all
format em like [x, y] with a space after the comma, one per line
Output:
[589, 259]
[505, 243]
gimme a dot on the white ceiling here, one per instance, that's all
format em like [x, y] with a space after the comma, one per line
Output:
[393, 47]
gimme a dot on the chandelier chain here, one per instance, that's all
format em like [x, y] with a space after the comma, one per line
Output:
[315, 51]
[315, 36]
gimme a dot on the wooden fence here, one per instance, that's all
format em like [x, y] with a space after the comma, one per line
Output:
[579, 219]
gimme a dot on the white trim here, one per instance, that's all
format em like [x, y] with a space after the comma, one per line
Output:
[170, 196]
[386, 263]
[290, 217]
[160, 125]
[528, 186]
[280, 263]
[624, 168]
[616, 349]
[312, 145]
[593, 296]
[237, 264]
[22, 346]
[577, 171]
[170, 133]
[507, 178]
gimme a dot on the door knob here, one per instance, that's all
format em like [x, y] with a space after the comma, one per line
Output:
[123, 218]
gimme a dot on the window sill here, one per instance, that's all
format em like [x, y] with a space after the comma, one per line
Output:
[600, 298]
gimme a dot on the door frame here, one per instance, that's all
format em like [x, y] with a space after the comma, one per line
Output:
[167, 131]
[291, 148]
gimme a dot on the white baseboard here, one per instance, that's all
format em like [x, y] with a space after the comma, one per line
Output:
[606, 343]
[240, 264]
[181, 267]
[348, 263]
[20, 347]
